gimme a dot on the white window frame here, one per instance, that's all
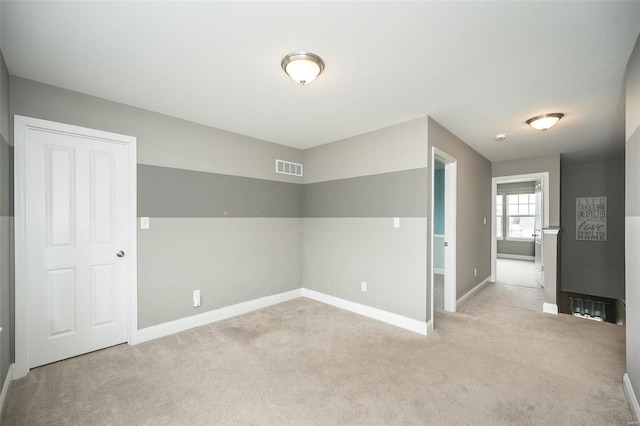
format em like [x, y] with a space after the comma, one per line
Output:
[505, 223]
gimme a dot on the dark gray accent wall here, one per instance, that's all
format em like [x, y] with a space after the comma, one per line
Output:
[473, 205]
[169, 192]
[395, 194]
[593, 267]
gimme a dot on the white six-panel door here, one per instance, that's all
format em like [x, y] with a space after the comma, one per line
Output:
[78, 211]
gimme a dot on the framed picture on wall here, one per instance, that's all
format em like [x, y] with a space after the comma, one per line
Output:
[591, 219]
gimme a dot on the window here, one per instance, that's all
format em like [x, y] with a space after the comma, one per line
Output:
[499, 210]
[521, 210]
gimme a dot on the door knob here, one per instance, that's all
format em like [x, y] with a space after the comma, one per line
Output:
[446, 244]
[120, 253]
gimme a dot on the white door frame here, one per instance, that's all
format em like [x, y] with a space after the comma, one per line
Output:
[450, 220]
[544, 179]
[22, 125]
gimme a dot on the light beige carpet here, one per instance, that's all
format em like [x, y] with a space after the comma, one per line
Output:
[516, 272]
[305, 363]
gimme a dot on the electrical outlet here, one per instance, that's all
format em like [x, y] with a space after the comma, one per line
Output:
[363, 286]
[144, 223]
[396, 222]
[475, 272]
[485, 220]
[196, 298]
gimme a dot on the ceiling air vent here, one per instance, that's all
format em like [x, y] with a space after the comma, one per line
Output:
[288, 168]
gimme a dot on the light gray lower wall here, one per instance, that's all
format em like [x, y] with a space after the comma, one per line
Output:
[438, 252]
[353, 189]
[593, 267]
[229, 260]
[632, 218]
[233, 238]
[549, 163]
[340, 253]
[473, 205]
[518, 248]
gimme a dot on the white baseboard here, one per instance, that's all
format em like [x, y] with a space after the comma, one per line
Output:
[438, 271]
[367, 311]
[5, 387]
[631, 397]
[187, 323]
[550, 308]
[516, 257]
[468, 295]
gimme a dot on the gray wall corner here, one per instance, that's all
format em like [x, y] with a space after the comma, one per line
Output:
[473, 204]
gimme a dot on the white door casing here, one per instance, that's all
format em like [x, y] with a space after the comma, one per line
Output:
[537, 235]
[543, 178]
[450, 221]
[75, 191]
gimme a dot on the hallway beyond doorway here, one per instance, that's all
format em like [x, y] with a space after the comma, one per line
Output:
[515, 287]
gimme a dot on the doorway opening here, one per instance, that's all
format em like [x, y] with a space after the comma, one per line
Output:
[443, 232]
[520, 210]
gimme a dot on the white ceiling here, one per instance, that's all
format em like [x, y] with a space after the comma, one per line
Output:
[479, 68]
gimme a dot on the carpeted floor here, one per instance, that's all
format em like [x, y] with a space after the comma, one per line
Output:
[305, 363]
[515, 286]
[516, 272]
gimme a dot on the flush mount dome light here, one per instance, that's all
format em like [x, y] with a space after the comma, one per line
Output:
[302, 67]
[545, 121]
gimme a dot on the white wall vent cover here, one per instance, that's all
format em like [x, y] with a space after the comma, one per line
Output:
[288, 168]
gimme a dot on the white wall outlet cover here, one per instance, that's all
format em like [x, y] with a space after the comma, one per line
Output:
[485, 220]
[144, 223]
[363, 286]
[196, 298]
[396, 222]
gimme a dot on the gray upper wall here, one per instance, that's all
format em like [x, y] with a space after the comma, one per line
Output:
[632, 108]
[473, 204]
[593, 267]
[4, 99]
[549, 163]
[394, 148]
[162, 140]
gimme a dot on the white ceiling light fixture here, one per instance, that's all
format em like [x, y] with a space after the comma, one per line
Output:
[302, 67]
[500, 137]
[545, 121]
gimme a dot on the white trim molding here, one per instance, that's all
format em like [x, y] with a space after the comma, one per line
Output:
[5, 387]
[550, 308]
[468, 295]
[182, 324]
[631, 397]
[516, 257]
[367, 311]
